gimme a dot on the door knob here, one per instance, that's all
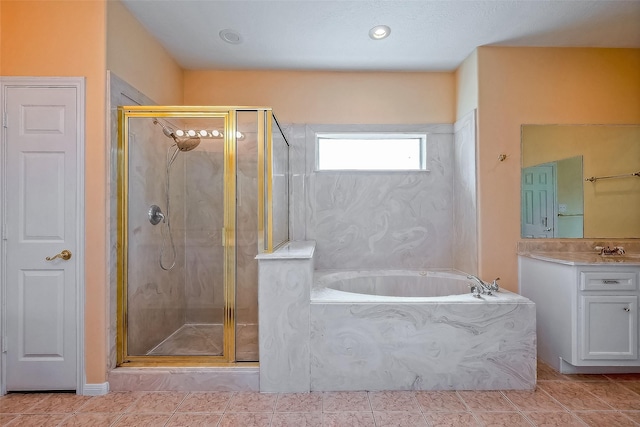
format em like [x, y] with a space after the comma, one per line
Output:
[65, 255]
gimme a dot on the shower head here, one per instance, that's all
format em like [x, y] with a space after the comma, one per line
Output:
[184, 143]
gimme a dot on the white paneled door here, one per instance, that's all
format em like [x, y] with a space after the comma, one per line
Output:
[538, 201]
[41, 237]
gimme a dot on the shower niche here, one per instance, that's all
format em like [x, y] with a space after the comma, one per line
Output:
[201, 192]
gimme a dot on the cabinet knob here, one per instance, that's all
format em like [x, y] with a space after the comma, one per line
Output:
[626, 309]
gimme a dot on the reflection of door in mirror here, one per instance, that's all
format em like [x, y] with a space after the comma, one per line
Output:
[538, 201]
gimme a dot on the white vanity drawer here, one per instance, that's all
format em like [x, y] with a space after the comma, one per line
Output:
[608, 281]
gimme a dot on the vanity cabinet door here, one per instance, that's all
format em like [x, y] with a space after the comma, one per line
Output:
[609, 327]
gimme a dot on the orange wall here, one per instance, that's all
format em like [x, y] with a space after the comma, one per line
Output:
[538, 86]
[330, 97]
[67, 38]
[137, 58]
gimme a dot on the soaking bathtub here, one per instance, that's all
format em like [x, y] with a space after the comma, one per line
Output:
[417, 330]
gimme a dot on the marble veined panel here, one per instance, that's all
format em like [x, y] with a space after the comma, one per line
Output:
[434, 346]
[465, 230]
[184, 379]
[385, 219]
[284, 295]
[155, 297]
[120, 93]
[382, 220]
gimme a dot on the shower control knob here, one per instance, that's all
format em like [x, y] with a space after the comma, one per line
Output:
[155, 214]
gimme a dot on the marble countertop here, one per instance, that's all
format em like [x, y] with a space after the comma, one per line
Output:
[583, 258]
[299, 249]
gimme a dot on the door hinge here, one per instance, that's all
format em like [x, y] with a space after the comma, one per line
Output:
[4, 344]
[4, 120]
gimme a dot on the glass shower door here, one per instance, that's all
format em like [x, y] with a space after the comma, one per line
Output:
[178, 253]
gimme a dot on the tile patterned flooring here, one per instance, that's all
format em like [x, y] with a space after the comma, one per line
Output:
[559, 400]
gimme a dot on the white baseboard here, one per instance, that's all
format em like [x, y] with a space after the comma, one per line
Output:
[95, 389]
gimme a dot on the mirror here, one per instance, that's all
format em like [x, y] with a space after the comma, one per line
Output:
[580, 181]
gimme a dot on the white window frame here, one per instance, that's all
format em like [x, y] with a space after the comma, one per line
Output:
[421, 136]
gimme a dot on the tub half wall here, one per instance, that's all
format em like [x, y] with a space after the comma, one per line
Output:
[464, 344]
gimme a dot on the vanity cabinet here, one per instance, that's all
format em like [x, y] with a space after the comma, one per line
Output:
[586, 314]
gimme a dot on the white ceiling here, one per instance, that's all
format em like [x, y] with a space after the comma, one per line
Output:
[333, 34]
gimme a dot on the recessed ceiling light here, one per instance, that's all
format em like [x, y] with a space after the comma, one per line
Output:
[231, 36]
[379, 32]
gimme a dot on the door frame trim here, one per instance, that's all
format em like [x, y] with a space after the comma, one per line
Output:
[48, 82]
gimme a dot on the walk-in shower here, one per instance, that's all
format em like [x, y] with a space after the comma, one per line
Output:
[183, 142]
[201, 191]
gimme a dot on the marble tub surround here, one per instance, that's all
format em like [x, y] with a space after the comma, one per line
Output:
[460, 344]
[322, 339]
[465, 205]
[291, 250]
[285, 279]
[378, 219]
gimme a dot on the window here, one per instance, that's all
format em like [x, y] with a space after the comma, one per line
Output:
[371, 151]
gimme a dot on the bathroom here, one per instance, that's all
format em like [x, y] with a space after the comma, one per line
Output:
[301, 99]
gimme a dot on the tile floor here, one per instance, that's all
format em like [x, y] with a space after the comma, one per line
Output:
[559, 400]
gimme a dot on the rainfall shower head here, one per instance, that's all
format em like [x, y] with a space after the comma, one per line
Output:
[184, 143]
[187, 143]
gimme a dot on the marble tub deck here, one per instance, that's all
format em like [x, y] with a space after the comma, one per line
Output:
[313, 338]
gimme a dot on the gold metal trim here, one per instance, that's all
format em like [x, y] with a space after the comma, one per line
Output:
[121, 246]
[265, 222]
[269, 178]
[230, 152]
[262, 239]
[124, 114]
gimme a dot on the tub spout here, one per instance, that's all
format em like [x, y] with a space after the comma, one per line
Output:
[483, 287]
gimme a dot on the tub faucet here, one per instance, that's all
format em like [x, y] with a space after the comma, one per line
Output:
[483, 287]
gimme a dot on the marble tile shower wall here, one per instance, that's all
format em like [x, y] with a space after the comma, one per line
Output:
[203, 209]
[120, 93]
[247, 233]
[375, 219]
[156, 306]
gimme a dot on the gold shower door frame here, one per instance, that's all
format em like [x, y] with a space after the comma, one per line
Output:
[229, 232]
